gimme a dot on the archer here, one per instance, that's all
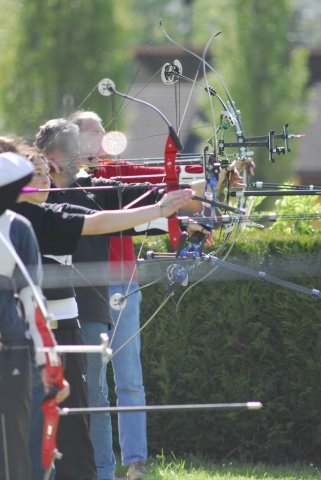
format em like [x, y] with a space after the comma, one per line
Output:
[18, 244]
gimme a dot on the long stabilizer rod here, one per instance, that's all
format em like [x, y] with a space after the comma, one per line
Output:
[162, 408]
[259, 275]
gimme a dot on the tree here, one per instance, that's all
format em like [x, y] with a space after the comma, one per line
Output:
[264, 72]
[176, 13]
[305, 22]
[266, 76]
[62, 50]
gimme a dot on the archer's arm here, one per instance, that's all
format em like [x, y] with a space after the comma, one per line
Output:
[115, 221]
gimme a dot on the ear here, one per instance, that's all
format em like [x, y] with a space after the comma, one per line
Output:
[53, 167]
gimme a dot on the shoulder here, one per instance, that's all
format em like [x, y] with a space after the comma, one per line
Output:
[23, 208]
[36, 214]
[14, 216]
[20, 214]
[21, 230]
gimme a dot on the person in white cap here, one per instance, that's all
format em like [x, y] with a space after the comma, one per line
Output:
[17, 241]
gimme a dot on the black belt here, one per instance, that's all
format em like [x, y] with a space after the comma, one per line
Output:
[68, 323]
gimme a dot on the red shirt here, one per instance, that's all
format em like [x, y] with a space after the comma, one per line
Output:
[121, 249]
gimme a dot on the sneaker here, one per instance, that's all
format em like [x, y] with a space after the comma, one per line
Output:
[136, 471]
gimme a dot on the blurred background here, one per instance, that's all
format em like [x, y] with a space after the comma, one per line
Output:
[54, 53]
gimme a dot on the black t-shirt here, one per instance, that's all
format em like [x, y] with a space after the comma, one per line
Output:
[92, 299]
[58, 229]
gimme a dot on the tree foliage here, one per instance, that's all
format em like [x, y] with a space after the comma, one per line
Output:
[60, 52]
[305, 22]
[265, 74]
[176, 14]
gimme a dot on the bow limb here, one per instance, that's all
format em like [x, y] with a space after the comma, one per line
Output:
[173, 145]
[37, 314]
[49, 451]
[107, 87]
[54, 381]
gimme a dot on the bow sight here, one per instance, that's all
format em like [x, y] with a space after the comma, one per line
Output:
[267, 141]
[171, 73]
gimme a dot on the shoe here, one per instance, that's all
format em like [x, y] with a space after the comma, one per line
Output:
[136, 471]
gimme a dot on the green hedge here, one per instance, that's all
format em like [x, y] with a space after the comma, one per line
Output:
[234, 340]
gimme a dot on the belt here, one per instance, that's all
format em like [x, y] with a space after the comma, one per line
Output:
[68, 323]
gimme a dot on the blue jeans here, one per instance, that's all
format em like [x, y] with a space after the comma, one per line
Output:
[128, 386]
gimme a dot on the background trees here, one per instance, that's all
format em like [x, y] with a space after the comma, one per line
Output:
[56, 53]
[266, 75]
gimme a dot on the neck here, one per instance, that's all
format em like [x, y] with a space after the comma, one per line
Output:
[28, 198]
[61, 179]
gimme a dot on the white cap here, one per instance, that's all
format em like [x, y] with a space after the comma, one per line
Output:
[13, 167]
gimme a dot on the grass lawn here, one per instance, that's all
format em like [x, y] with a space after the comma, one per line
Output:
[175, 469]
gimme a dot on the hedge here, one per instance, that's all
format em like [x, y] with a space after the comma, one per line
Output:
[234, 339]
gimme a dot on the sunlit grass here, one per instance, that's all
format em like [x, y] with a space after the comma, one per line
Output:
[171, 468]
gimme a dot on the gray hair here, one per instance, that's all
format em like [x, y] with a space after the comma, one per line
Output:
[80, 115]
[57, 133]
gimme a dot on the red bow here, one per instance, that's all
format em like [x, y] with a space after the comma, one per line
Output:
[55, 381]
[53, 367]
[173, 145]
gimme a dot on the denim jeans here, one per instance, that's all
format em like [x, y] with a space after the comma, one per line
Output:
[128, 386]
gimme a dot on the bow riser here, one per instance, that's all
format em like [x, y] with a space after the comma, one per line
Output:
[171, 179]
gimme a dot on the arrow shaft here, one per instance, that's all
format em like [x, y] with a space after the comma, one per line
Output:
[162, 408]
[273, 193]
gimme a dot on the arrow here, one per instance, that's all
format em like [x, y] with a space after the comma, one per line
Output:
[162, 408]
